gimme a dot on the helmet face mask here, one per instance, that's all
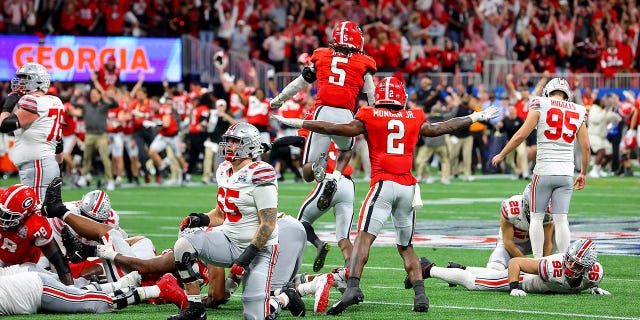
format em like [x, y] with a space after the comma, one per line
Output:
[31, 77]
[17, 203]
[241, 141]
[96, 206]
[580, 257]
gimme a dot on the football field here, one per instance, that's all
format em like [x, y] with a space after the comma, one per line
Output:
[458, 222]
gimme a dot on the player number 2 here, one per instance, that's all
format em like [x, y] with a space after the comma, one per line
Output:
[557, 121]
[335, 69]
[397, 133]
[56, 128]
[229, 209]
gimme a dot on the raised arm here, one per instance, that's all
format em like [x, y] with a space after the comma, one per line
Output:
[351, 129]
[439, 128]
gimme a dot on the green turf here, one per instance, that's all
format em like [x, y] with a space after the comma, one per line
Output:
[160, 210]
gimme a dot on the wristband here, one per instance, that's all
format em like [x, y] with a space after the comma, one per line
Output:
[515, 285]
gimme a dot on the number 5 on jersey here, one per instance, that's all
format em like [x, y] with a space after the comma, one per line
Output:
[340, 73]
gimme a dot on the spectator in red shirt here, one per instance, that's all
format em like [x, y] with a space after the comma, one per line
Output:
[108, 74]
[610, 59]
[87, 16]
[114, 17]
[449, 57]
[68, 18]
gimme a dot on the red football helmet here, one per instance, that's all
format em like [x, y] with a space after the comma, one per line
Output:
[626, 109]
[390, 90]
[348, 34]
[16, 204]
[304, 59]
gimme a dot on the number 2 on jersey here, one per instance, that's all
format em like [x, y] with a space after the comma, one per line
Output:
[229, 209]
[557, 120]
[335, 69]
[397, 133]
[56, 128]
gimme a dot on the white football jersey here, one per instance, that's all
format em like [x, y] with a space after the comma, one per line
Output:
[557, 130]
[517, 213]
[552, 278]
[38, 140]
[235, 200]
[20, 293]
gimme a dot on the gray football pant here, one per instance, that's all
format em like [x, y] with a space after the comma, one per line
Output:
[342, 204]
[292, 240]
[59, 298]
[557, 189]
[38, 174]
[215, 248]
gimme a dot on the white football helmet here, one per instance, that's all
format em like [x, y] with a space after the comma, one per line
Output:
[96, 205]
[582, 252]
[250, 145]
[31, 77]
[558, 84]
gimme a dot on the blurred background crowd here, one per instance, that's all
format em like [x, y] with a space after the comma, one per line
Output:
[455, 56]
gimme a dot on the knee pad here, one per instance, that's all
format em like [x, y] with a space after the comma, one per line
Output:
[185, 255]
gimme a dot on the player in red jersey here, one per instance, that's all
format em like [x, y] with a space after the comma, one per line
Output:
[167, 121]
[25, 234]
[392, 133]
[342, 70]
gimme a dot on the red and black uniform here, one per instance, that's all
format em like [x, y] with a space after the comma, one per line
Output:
[23, 244]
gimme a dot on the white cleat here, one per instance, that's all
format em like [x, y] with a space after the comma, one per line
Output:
[323, 287]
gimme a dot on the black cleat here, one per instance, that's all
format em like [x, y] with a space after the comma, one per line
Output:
[193, 311]
[318, 262]
[420, 303]
[324, 201]
[351, 296]
[296, 305]
[52, 205]
[426, 269]
[319, 167]
[77, 251]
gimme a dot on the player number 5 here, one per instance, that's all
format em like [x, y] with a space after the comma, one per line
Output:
[341, 74]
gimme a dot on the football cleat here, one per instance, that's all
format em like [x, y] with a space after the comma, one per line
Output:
[426, 272]
[193, 311]
[319, 167]
[324, 201]
[170, 291]
[420, 303]
[52, 205]
[318, 262]
[323, 287]
[351, 296]
[296, 305]
[340, 275]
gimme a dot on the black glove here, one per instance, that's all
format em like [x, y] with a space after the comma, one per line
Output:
[195, 220]
[59, 147]
[244, 260]
[52, 206]
[10, 102]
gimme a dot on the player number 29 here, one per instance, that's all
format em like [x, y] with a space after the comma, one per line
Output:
[340, 74]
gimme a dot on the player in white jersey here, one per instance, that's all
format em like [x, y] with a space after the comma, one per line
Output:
[246, 234]
[36, 122]
[558, 122]
[30, 289]
[513, 236]
[557, 273]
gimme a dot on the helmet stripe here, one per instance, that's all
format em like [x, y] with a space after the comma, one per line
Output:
[386, 89]
[342, 27]
[98, 202]
[14, 193]
[583, 249]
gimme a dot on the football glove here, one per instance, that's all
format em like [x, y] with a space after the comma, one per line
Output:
[486, 114]
[106, 251]
[195, 220]
[518, 293]
[601, 291]
[242, 262]
[276, 102]
[292, 122]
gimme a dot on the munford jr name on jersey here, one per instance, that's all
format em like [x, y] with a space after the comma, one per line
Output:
[385, 113]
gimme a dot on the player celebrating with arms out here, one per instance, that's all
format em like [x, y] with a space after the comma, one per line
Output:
[392, 133]
[341, 70]
[558, 122]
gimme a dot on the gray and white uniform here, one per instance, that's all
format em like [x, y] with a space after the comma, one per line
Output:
[292, 240]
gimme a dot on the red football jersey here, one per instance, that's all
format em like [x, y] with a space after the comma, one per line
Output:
[182, 103]
[113, 124]
[340, 77]
[69, 127]
[21, 246]
[392, 137]
[258, 111]
[199, 112]
[107, 78]
[141, 111]
[172, 129]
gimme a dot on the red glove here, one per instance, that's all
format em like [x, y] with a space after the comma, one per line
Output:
[195, 220]
[237, 270]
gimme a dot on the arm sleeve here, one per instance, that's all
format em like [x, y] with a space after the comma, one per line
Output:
[292, 88]
[10, 124]
[368, 88]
